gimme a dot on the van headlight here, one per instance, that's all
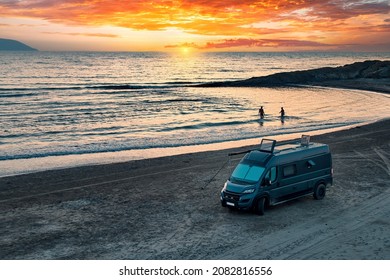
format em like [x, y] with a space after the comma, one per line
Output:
[224, 187]
[251, 190]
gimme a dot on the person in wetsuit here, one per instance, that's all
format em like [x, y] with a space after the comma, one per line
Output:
[282, 113]
[261, 112]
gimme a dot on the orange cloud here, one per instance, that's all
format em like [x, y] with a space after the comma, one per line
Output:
[195, 16]
[303, 19]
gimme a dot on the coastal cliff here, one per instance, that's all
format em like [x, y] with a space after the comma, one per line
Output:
[13, 45]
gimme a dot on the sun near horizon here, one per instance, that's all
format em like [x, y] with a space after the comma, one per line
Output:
[185, 50]
[186, 26]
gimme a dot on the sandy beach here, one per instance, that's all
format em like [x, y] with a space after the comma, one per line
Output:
[168, 208]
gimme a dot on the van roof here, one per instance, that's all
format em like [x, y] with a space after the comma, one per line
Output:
[287, 153]
[291, 148]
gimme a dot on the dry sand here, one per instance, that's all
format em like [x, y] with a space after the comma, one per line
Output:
[169, 208]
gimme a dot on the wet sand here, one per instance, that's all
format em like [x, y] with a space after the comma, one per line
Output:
[169, 208]
[378, 85]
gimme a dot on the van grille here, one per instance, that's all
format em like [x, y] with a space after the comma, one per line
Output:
[231, 196]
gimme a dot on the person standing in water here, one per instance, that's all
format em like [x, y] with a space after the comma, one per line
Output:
[282, 112]
[261, 112]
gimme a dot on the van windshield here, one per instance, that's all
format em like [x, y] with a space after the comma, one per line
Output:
[247, 173]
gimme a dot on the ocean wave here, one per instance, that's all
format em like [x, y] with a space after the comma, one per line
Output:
[175, 100]
[97, 87]
[206, 125]
[12, 95]
[140, 86]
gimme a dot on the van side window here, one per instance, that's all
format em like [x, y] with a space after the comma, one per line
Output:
[273, 174]
[289, 170]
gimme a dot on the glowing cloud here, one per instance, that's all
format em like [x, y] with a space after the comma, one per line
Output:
[313, 23]
[233, 43]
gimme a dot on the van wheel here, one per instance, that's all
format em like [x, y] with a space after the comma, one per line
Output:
[260, 206]
[319, 191]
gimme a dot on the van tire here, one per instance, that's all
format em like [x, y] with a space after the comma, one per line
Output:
[260, 206]
[319, 191]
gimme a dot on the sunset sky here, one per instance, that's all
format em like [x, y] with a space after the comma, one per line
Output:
[198, 25]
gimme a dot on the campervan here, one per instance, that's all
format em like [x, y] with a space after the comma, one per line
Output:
[274, 174]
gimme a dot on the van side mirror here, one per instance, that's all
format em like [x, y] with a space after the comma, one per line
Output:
[267, 182]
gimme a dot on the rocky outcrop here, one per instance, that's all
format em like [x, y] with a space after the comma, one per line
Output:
[370, 69]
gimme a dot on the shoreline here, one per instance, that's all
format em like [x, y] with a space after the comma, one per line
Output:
[381, 86]
[18, 167]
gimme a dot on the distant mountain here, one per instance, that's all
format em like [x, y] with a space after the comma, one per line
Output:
[13, 45]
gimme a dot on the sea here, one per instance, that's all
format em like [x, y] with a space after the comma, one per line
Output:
[66, 109]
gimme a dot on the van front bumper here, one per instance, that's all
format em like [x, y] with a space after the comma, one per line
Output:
[239, 201]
